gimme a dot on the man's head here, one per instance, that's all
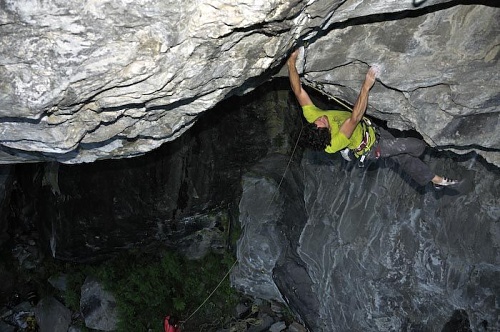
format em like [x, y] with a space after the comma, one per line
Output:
[322, 122]
[315, 137]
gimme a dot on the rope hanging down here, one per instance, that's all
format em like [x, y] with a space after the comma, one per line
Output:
[236, 261]
[338, 101]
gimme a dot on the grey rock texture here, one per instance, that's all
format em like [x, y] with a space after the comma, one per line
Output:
[353, 249]
[348, 250]
[430, 78]
[83, 81]
[97, 80]
[52, 315]
[98, 306]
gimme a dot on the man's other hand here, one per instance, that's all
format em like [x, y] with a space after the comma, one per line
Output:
[293, 57]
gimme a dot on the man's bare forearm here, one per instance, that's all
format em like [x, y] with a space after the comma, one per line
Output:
[294, 77]
[360, 105]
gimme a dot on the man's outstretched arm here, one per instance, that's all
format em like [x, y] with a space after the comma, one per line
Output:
[359, 108]
[293, 75]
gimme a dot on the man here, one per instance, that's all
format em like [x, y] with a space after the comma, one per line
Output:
[334, 131]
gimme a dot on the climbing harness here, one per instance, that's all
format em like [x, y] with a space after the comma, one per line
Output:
[366, 124]
[368, 143]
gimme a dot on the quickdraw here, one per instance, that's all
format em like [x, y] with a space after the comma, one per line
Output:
[367, 144]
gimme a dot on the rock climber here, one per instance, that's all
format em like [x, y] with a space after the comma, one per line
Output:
[355, 137]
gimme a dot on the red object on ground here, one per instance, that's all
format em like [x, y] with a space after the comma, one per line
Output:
[170, 324]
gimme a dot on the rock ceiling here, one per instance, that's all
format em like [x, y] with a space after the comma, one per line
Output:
[83, 81]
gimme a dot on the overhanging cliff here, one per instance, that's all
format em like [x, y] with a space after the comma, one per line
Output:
[83, 81]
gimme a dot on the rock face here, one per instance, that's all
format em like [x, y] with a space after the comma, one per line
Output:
[347, 249]
[113, 79]
[52, 315]
[429, 73]
[353, 249]
[98, 306]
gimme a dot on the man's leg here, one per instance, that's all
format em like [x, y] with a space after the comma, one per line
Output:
[414, 167]
[405, 151]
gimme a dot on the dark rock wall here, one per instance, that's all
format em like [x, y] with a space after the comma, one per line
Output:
[393, 256]
[370, 250]
[6, 179]
[367, 249]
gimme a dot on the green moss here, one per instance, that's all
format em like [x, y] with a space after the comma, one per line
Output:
[235, 234]
[279, 142]
[147, 288]
[74, 283]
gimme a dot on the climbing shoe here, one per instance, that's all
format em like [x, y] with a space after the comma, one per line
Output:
[446, 183]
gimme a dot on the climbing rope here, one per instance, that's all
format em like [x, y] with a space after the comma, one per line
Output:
[212, 293]
[318, 88]
[338, 101]
[236, 261]
[286, 168]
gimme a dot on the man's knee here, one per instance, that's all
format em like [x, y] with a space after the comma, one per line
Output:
[415, 146]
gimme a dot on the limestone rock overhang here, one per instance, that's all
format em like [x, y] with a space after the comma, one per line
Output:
[102, 80]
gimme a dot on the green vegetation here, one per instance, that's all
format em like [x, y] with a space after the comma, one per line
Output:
[148, 288]
[75, 280]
